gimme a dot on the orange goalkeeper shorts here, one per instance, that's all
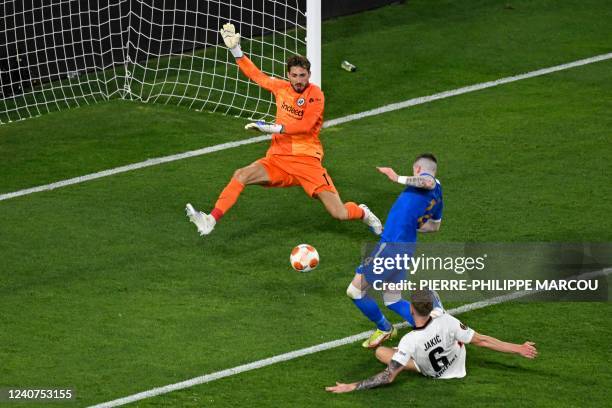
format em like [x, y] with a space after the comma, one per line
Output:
[305, 171]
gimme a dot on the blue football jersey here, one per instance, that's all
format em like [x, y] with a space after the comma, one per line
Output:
[413, 208]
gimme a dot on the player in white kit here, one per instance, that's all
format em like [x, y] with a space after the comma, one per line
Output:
[434, 348]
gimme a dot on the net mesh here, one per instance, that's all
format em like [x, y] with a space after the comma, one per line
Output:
[68, 53]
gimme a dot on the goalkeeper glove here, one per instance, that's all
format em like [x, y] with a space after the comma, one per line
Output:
[265, 127]
[231, 39]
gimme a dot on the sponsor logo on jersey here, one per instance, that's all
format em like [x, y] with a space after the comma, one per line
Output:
[296, 112]
[463, 326]
[300, 102]
[446, 365]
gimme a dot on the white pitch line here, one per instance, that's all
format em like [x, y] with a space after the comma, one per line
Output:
[316, 349]
[135, 166]
[466, 89]
[329, 123]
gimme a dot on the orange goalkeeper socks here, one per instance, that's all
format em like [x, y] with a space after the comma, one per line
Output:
[354, 211]
[227, 198]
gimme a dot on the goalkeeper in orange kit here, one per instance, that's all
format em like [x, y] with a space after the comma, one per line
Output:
[295, 154]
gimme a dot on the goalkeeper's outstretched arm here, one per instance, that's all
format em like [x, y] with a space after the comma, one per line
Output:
[232, 41]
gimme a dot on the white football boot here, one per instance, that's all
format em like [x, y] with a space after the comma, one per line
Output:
[204, 222]
[371, 220]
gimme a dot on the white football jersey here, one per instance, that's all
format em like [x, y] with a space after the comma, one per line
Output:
[437, 348]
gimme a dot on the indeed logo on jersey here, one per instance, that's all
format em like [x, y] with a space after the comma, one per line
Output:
[296, 112]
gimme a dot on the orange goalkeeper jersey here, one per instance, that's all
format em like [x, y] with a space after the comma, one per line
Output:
[300, 113]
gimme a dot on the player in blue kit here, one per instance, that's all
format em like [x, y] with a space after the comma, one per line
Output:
[417, 209]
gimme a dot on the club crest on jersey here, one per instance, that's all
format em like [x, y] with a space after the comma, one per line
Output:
[300, 102]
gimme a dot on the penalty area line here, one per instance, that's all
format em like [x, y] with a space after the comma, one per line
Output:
[317, 348]
[329, 123]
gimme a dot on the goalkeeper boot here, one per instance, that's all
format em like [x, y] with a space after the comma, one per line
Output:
[379, 337]
[371, 220]
[204, 222]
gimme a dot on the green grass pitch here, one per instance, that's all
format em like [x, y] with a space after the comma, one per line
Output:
[105, 286]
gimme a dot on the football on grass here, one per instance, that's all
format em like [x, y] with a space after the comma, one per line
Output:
[304, 258]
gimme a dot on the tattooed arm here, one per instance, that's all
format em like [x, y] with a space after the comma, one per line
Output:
[426, 182]
[385, 377]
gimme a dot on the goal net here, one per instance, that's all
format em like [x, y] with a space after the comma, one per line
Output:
[68, 53]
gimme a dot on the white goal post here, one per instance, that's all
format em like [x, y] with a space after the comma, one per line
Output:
[313, 39]
[68, 53]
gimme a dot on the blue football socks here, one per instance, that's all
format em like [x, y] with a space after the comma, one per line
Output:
[402, 308]
[370, 309]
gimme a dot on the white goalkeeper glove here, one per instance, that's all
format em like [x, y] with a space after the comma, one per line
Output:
[231, 39]
[265, 127]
